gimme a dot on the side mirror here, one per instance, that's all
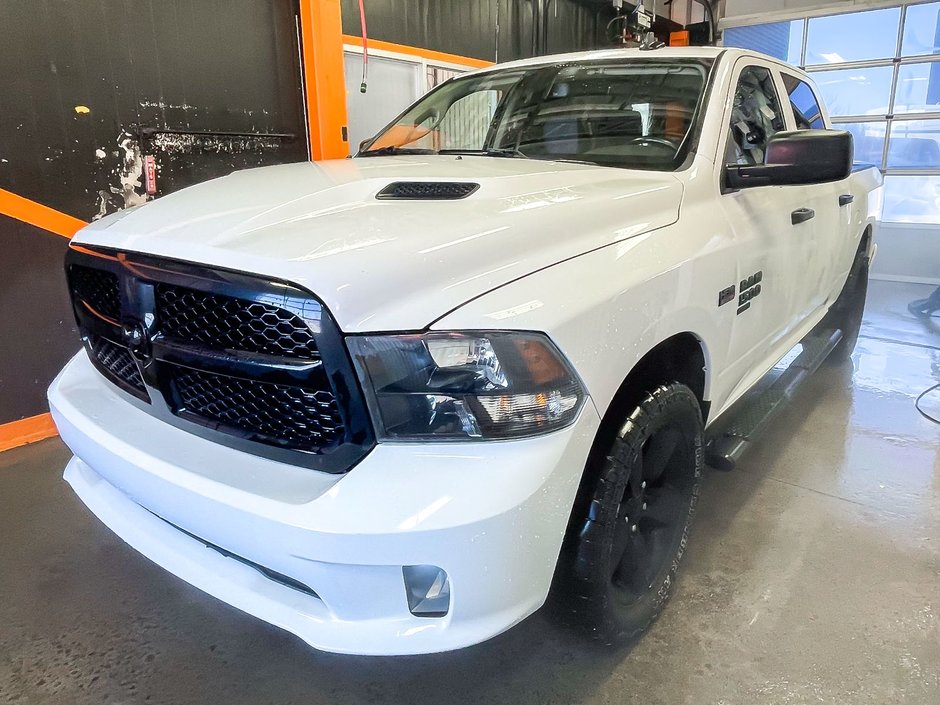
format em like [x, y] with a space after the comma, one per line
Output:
[794, 158]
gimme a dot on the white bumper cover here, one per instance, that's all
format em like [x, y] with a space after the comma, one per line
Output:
[490, 514]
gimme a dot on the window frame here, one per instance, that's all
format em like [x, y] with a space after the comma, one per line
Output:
[689, 146]
[742, 64]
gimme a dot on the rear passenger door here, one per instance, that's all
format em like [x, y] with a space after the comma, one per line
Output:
[823, 242]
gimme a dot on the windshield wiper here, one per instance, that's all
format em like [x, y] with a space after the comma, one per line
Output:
[507, 153]
[388, 151]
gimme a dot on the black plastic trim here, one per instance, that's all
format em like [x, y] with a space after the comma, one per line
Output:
[427, 191]
[270, 574]
[159, 358]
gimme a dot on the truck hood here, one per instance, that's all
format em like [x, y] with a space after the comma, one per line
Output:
[396, 264]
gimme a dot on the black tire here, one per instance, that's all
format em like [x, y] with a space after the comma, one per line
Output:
[617, 571]
[847, 312]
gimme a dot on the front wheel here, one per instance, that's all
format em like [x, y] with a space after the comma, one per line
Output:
[620, 568]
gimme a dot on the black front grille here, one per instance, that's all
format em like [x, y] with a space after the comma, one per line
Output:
[225, 322]
[302, 418]
[251, 363]
[97, 288]
[119, 364]
[427, 190]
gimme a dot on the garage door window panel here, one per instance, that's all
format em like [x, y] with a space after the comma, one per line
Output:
[869, 138]
[920, 30]
[918, 89]
[856, 91]
[912, 199]
[915, 144]
[858, 36]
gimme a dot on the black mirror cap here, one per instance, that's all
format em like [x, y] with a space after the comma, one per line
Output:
[802, 157]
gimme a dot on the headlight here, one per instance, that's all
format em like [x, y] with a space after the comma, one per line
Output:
[465, 386]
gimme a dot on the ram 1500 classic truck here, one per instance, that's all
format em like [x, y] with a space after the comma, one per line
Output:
[392, 403]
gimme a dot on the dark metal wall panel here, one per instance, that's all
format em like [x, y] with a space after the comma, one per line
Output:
[37, 329]
[80, 78]
[468, 27]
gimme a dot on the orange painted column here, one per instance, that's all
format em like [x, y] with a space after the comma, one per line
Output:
[321, 38]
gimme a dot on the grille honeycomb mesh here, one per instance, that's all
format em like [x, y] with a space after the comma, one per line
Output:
[225, 322]
[118, 362]
[305, 419]
[97, 288]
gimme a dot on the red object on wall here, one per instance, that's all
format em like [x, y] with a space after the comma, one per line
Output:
[150, 174]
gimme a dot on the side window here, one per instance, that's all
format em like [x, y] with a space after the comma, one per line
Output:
[755, 117]
[804, 104]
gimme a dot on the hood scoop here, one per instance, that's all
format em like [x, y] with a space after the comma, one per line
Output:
[426, 191]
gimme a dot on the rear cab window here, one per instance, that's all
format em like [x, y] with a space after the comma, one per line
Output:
[803, 102]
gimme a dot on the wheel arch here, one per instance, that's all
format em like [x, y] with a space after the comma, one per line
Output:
[682, 357]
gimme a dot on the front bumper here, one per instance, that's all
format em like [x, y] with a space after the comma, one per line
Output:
[490, 514]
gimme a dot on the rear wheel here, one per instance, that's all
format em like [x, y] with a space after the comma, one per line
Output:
[620, 568]
[847, 312]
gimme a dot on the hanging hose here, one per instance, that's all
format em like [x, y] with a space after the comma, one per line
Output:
[920, 398]
[712, 24]
[619, 37]
[365, 48]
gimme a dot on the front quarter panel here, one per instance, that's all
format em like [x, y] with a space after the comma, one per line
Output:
[607, 309]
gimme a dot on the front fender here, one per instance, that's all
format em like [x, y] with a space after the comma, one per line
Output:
[608, 308]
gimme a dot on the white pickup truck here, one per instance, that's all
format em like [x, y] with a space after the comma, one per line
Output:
[391, 403]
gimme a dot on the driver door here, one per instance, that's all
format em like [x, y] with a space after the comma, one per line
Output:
[764, 313]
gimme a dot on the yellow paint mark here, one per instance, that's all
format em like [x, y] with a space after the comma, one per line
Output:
[82, 109]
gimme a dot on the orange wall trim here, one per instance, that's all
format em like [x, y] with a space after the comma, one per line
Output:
[426, 54]
[39, 215]
[19, 433]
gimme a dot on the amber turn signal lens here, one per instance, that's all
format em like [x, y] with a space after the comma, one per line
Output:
[542, 364]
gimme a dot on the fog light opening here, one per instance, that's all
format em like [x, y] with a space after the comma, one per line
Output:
[428, 590]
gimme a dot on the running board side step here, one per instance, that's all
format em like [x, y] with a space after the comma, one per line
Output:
[748, 421]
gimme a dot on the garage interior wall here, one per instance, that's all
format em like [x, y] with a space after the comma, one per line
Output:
[90, 89]
[469, 27]
[877, 65]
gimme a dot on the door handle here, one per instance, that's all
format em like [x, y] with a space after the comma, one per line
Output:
[801, 215]
[845, 199]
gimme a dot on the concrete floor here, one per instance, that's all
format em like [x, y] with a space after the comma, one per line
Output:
[813, 576]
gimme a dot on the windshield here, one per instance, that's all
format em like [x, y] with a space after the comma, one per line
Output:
[638, 114]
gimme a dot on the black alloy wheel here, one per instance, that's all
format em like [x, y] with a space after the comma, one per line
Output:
[620, 562]
[650, 520]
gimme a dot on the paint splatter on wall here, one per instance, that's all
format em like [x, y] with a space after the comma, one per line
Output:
[126, 177]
